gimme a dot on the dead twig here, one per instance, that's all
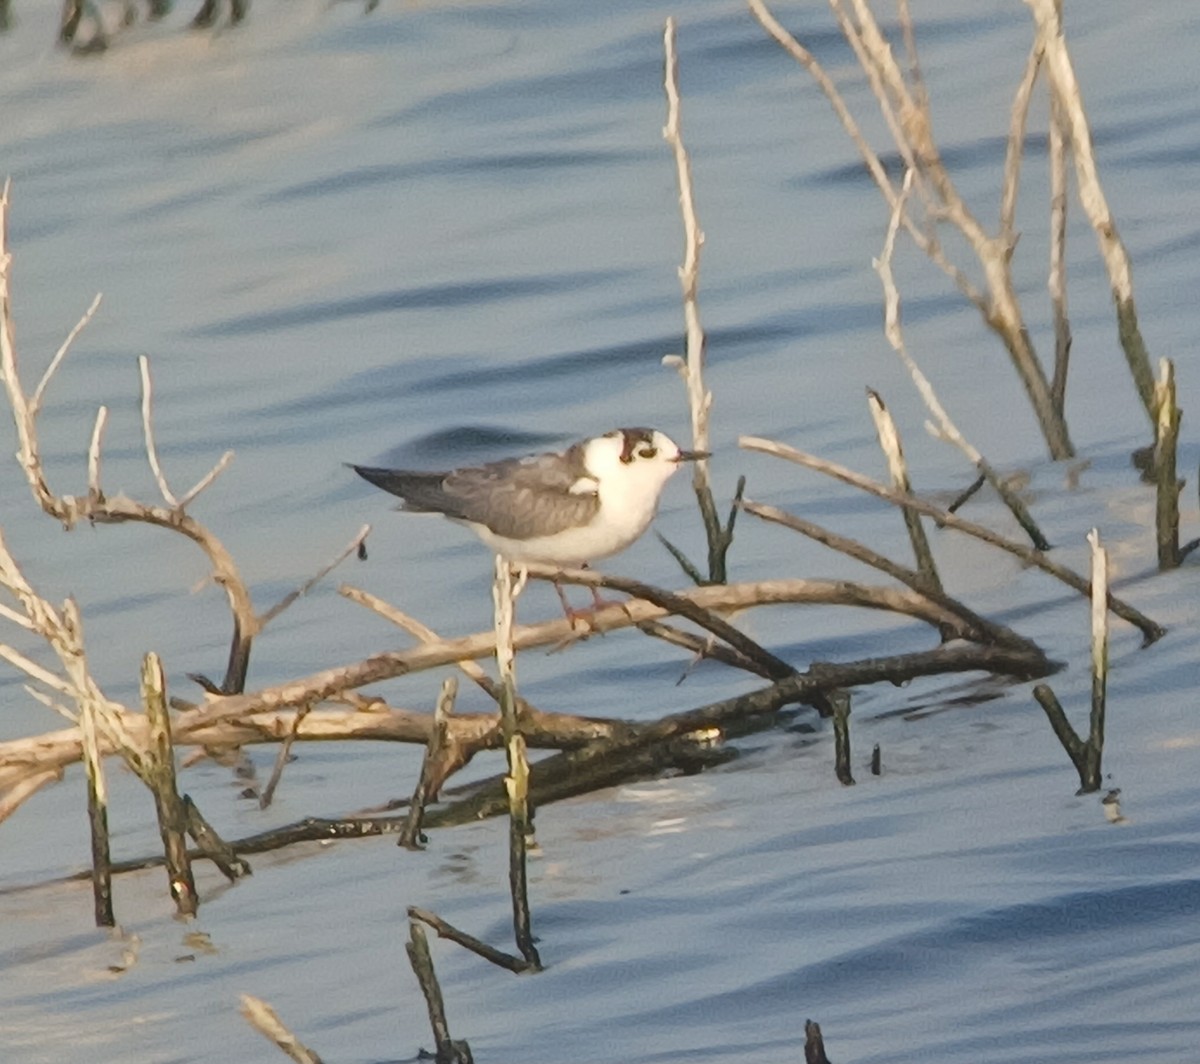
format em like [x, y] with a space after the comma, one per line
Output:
[945, 429]
[907, 115]
[691, 368]
[1151, 631]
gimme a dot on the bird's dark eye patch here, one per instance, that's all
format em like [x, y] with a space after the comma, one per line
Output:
[647, 452]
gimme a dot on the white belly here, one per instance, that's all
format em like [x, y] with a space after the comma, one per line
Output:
[616, 525]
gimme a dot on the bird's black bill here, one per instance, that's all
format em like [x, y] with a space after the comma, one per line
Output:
[693, 456]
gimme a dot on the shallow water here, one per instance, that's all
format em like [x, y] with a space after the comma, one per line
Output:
[445, 232]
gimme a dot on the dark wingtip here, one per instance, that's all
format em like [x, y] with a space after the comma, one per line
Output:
[380, 478]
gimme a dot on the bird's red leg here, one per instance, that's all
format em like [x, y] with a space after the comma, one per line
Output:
[572, 615]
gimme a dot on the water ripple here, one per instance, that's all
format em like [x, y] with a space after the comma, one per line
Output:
[432, 297]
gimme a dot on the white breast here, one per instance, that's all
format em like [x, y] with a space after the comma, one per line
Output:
[622, 517]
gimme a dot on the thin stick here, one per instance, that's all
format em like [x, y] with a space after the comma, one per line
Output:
[431, 770]
[148, 431]
[920, 93]
[215, 848]
[266, 1021]
[692, 371]
[773, 666]
[1015, 148]
[38, 672]
[1166, 439]
[702, 648]
[447, 1050]
[1149, 629]
[282, 756]
[1056, 281]
[972, 626]
[171, 821]
[907, 115]
[477, 946]
[893, 449]
[425, 634]
[926, 241]
[517, 780]
[97, 819]
[351, 548]
[35, 403]
[946, 429]
[222, 464]
[94, 493]
[9, 614]
[841, 737]
[1095, 742]
[1065, 88]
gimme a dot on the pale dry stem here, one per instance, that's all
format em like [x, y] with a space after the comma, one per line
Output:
[1068, 99]
[945, 429]
[906, 112]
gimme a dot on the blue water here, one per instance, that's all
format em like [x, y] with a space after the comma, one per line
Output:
[447, 232]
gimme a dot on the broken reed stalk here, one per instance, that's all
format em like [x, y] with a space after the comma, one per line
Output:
[504, 591]
[893, 450]
[905, 107]
[1056, 281]
[1150, 630]
[691, 368]
[814, 1044]
[172, 823]
[432, 771]
[209, 843]
[508, 961]
[447, 1050]
[841, 737]
[282, 756]
[1086, 754]
[945, 429]
[1068, 114]
[97, 819]
[1095, 743]
[266, 1021]
[1166, 439]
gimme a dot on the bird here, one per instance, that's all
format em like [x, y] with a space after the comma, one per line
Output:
[559, 508]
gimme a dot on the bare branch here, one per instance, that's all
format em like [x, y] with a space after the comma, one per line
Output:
[946, 429]
[148, 429]
[1016, 146]
[94, 493]
[1067, 95]
[39, 672]
[203, 483]
[1149, 629]
[352, 547]
[390, 664]
[35, 404]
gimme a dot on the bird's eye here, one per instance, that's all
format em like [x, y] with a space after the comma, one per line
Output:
[647, 452]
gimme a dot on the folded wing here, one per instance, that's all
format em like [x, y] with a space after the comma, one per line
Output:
[519, 498]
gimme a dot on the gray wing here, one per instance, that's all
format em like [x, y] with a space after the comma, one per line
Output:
[518, 498]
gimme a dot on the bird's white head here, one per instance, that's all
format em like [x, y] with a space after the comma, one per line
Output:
[635, 462]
